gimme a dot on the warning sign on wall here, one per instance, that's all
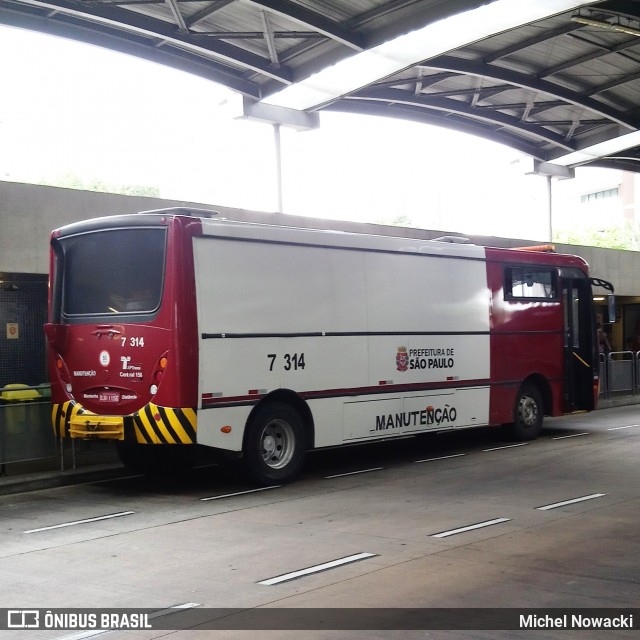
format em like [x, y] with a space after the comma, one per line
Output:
[13, 331]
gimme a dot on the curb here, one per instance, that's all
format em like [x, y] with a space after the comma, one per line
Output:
[53, 479]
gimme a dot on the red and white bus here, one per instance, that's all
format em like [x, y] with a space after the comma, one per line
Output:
[172, 328]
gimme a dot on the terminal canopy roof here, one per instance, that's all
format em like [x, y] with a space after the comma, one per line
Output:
[558, 80]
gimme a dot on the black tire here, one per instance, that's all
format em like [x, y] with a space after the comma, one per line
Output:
[275, 444]
[528, 413]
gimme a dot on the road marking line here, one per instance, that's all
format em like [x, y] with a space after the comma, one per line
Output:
[555, 505]
[573, 435]
[455, 455]
[87, 520]
[317, 568]
[480, 525]
[354, 473]
[508, 446]
[241, 493]
[163, 612]
[629, 426]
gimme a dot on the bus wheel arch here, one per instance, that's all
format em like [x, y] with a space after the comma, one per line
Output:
[532, 401]
[278, 433]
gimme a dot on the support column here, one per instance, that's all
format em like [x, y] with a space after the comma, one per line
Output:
[278, 150]
[277, 116]
[550, 207]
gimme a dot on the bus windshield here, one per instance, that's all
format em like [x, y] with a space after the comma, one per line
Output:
[110, 272]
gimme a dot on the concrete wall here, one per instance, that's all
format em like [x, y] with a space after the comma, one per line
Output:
[28, 213]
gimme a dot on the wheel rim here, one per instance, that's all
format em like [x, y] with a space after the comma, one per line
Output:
[528, 411]
[277, 444]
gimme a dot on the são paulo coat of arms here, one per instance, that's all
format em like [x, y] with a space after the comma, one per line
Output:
[402, 359]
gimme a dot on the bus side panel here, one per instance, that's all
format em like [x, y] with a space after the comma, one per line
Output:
[427, 293]
[338, 325]
[272, 303]
[443, 306]
[241, 371]
[438, 410]
[526, 340]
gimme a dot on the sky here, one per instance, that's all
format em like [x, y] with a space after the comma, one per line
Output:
[72, 109]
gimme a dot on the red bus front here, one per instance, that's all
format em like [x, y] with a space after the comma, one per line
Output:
[122, 330]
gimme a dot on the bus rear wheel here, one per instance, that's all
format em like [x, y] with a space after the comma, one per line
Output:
[528, 413]
[275, 444]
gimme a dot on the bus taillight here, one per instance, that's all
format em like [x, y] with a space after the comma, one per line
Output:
[158, 372]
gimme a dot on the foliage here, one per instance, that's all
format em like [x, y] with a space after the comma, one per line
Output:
[73, 181]
[626, 236]
[397, 221]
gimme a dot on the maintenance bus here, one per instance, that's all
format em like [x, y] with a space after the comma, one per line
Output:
[174, 328]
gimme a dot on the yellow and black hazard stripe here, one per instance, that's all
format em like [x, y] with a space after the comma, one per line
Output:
[62, 414]
[151, 425]
[162, 425]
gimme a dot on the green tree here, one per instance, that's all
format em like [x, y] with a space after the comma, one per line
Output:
[397, 221]
[625, 236]
[73, 181]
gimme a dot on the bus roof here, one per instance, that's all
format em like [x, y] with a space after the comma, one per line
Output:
[202, 222]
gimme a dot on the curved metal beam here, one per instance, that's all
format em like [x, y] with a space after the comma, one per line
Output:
[138, 46]
[312, 20]
[410, 49]
[182, 35]
[601, 52]
[524, 81]
[438, 119]
[530, 42]
[495, 118]
[135, 23]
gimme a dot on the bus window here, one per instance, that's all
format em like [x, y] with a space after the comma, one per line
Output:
[114, 272]
[530, 283]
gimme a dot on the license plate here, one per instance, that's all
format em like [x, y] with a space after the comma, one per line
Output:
[109, 396]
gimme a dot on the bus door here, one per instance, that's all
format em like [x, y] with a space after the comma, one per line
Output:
[579, 339]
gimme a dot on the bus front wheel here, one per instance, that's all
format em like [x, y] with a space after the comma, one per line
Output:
[275, 444]
[528, 413]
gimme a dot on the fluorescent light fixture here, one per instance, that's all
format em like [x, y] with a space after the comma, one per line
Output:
[609, 26]
[600, 150]
[410, 49]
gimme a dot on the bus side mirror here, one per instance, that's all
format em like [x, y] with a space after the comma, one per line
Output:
[611, 309]
[611, 299]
